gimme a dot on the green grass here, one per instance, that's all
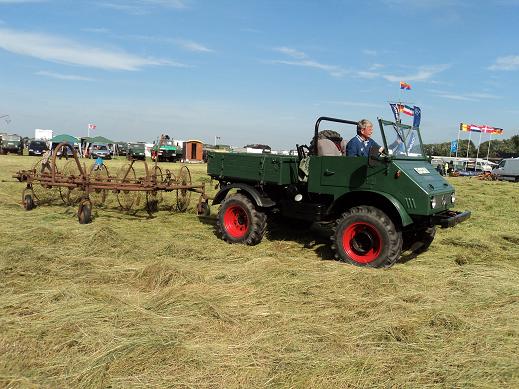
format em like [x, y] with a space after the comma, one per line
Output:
[133, 301]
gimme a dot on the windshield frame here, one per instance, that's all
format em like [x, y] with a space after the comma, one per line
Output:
[383, 123]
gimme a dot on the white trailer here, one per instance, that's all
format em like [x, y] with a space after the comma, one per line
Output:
[40, 134]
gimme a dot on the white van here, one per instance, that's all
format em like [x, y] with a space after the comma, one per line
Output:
[508, 169]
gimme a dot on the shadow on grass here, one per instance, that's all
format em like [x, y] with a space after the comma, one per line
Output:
[310, 235]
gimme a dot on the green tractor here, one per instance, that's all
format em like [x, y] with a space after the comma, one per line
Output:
[377, 206]
[166, 150]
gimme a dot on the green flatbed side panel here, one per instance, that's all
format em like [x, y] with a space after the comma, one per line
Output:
[253, 168]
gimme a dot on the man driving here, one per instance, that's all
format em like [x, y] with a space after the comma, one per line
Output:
[360, 144]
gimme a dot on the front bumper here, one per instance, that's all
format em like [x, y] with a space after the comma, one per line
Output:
[448, 219]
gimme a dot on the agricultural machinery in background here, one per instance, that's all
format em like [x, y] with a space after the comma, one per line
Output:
[75, 184]
[376, 206]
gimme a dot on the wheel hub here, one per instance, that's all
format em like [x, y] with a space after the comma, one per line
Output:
[362, 242]
[236, 221]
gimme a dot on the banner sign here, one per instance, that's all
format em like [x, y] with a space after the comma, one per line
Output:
[454, 146]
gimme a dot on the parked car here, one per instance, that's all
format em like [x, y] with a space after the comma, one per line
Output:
[100, 150]
[70, 153]
[37, 147]
[136, 151]
[122, 148]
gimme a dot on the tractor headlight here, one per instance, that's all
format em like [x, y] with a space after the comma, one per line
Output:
[453, 197]
[433, 202]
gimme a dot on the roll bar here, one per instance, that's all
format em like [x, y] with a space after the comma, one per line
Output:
[328, 119]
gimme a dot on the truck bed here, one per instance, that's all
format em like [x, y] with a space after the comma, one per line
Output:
[253, 168]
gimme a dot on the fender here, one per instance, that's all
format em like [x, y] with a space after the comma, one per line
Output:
[258, 198]
[397, 206]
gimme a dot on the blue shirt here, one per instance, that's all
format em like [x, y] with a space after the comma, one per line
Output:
[358, 147]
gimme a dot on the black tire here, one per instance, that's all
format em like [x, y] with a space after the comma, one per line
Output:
[203, 209]
[365, 236]
[240, 222]
[84, 213]
[28, 202]
[418, 241]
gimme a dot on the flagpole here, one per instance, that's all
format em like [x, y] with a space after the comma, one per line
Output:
[468, 148]
[458, 142]
[489, 140]
[477, 152]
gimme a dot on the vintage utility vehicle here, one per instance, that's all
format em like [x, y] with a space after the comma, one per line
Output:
[11, 144]
[378, 206]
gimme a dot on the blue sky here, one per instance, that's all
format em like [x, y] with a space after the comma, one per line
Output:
[255, 71]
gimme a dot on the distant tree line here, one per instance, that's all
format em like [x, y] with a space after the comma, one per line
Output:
[505, 148]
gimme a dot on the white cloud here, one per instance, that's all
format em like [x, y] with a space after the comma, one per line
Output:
[369, 52]
[424, 3]
[59, 76]
[301, 59]
[178, 4]
[474, 96]
[57, 49]
[355, 104]
[424, 73]
[291, 52]
[21, 1]
[193, 46]
[140, 7]
[99, 30]
[369, 75]
[510, 62]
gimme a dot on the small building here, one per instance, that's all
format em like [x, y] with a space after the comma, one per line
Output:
[193, 150]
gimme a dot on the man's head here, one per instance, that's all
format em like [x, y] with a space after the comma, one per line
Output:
[365, 128]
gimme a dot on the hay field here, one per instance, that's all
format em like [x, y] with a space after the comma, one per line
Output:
[130, 301]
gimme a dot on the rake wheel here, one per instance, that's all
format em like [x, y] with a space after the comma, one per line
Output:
[98, 173]
[44, 193]
[127, 199]
[71, 196]
[183, 195]
[154, 197]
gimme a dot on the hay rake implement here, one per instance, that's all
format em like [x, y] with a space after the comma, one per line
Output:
[75, 184]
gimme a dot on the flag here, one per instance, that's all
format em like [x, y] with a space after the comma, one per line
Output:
[484, 129]
[396, 110]
[405, 85]
[454, 146]
[91, 126]
[407, 110]
[417, 116]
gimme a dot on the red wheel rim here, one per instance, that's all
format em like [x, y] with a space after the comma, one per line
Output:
[362, 242]
[236, 221]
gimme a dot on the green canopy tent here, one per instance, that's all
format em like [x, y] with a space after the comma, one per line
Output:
[71, 140]
[99, 139]
[87, 142]
[64, 138]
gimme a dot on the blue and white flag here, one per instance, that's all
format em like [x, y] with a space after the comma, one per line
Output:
[396, 111]
[417, 116]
